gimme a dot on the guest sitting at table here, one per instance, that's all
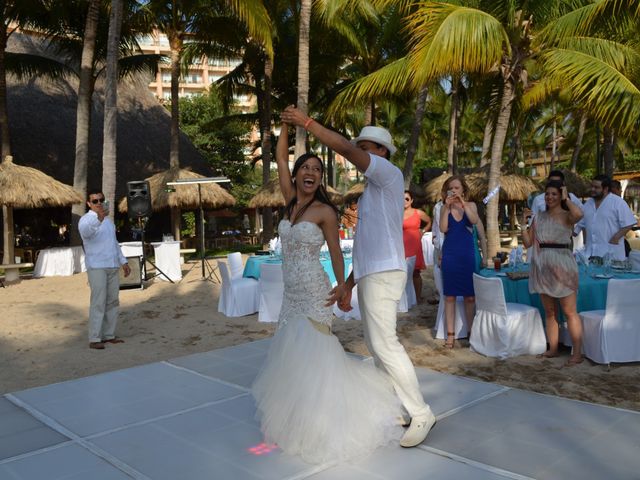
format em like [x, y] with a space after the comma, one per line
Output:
[457, 218]
[414, 223]
[553, 271]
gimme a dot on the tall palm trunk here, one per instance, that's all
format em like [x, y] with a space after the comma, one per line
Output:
[502, 126]
[576, 151]
[486, 142]
[83, 116]
[7, 211]
[109, 173]
[412, 146]
[303, 72]
[265, 137]
[175, 42]
[608, 149]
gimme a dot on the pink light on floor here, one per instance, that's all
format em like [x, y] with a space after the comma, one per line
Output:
[262, 448]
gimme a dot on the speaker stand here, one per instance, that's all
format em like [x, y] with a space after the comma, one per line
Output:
[142, 224]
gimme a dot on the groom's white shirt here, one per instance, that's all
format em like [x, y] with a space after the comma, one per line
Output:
[378, 245]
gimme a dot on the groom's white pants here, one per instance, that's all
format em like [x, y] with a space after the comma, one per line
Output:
[378, 297]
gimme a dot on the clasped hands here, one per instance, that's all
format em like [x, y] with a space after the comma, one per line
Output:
[342, 295]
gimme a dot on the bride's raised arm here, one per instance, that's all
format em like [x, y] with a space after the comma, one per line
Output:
[282, 160]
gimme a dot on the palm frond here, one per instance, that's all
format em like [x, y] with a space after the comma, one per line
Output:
[619, 55]
[391, 79]
[26, 66]
[448, 38]
[137, 64]
[605, 92]
[255, 16]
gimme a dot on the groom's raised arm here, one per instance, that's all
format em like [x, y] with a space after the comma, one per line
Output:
[331, 139]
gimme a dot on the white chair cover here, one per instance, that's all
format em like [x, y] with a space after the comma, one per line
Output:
[408, 299]
[613, 335]
[440, 328]
[634, 258]
[354, 313]
[234, 261]
[427, 248]
[503, 329]
[271, 291]
[237, 297]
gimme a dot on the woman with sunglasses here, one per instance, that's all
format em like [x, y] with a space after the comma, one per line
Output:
[415, 222]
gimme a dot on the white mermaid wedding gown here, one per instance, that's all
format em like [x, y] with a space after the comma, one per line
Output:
[312, 399]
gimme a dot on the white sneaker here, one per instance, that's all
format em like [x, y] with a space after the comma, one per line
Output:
[418, 430]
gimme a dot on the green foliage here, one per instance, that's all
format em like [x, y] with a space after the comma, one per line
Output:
[221, 141]
[188, 224]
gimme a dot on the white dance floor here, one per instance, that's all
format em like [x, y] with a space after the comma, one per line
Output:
[193, 418]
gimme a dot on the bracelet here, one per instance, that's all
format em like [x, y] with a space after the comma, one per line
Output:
[307, 123]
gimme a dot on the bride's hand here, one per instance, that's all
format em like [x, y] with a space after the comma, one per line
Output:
[337, 294]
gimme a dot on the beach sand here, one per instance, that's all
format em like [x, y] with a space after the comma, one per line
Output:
[43, 339]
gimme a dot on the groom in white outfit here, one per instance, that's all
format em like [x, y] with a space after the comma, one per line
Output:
[379, 266]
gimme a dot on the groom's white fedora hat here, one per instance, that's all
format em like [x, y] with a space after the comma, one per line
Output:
[378, 135]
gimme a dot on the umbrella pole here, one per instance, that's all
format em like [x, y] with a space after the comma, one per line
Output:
[201, 229]
[203, 259]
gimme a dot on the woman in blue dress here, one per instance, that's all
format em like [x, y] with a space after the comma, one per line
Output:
[457, 218]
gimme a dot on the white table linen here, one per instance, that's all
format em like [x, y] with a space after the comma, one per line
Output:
[167, 259]
[59, 261]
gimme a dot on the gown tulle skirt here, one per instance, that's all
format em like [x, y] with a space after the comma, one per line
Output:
[315, 401]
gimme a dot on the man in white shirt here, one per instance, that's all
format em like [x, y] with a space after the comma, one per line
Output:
[538, 204]
[103, 259]
[379, 266]
[607, 218]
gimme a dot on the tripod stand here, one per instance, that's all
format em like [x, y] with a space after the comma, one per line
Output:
[208, 272]
[142, 223]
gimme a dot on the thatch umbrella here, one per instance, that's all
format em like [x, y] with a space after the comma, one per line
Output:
[513, 187]
[26, 187]
[354, 193]
[270, 195]
[184, 197]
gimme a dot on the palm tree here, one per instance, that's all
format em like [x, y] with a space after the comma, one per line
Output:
[182, 20]
[83, 115]
[111, 103]
[489, 37]
[15, 15]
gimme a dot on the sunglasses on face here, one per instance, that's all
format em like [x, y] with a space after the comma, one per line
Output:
[95, 201]
[407, 199]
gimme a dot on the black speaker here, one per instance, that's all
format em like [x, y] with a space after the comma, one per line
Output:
[138, 199]
[134, 280]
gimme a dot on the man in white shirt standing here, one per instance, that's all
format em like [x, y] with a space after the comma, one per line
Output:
[379, 266]
[607, 218]
[103, 259]
[538, 204]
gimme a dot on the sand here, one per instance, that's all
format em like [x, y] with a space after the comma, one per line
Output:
[43, 339]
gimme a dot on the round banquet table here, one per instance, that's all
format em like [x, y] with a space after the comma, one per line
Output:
[592, 291]
[252, 267]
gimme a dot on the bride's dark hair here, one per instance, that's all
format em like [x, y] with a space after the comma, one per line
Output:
[321, 194]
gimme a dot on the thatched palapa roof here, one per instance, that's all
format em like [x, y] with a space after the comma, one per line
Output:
[270, 195]
[42, 125]
[513, 187]
[183, 196]
[354, 193]
[26, 187]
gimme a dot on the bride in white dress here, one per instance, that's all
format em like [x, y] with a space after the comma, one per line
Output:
[312, 399]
